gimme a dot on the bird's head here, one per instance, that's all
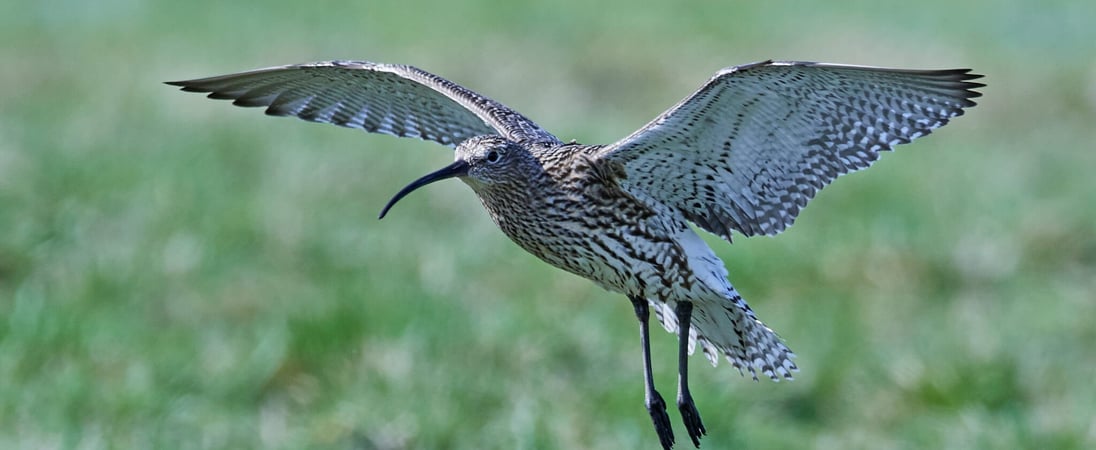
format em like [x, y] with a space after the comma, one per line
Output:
[482, 162]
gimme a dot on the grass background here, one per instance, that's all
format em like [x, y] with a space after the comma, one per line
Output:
[178, 273]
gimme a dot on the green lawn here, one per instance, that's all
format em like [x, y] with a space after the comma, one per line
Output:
[178, 273]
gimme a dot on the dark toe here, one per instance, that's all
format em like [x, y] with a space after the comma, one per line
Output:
[657, 408]
[691, 417]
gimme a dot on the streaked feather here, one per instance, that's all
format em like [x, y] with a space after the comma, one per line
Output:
[751, 147]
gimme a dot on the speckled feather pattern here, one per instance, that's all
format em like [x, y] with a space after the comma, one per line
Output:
[389, 99]
[748, 150]
[744, 153]
[640, 248]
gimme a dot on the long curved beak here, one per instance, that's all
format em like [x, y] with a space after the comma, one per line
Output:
[457, 169]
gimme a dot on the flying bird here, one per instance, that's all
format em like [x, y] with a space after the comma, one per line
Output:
[744, 153]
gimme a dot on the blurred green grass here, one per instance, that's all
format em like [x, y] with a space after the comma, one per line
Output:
[178, 273]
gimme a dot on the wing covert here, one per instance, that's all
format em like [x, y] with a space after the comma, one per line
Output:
[381, 98]
[749, 149]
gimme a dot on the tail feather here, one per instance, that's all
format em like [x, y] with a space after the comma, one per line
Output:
[730, 328]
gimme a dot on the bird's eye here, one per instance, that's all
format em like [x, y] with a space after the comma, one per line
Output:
[493, 156]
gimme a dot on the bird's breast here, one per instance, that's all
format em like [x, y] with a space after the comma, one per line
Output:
[599, 232]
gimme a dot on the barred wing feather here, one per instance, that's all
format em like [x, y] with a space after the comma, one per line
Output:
[749, 149]
[380, 98]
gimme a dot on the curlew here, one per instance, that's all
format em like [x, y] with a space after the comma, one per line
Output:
[744, 153]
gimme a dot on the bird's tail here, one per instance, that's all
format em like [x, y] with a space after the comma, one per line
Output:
[729, 327]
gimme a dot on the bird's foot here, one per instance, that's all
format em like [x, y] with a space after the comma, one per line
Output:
[657, 408]
[691, 417]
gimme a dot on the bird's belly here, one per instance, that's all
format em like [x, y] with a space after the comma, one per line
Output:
[649, 264]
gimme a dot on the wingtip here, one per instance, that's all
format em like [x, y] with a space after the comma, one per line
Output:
[968, 75]
[186, 86]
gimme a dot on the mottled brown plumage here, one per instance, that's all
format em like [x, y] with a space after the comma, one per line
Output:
[744, 153]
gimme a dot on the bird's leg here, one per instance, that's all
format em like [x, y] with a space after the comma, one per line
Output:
[689, 415]
[655, 405]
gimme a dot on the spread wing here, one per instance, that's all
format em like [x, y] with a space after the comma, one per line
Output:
[753, 145]
[379, 98]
